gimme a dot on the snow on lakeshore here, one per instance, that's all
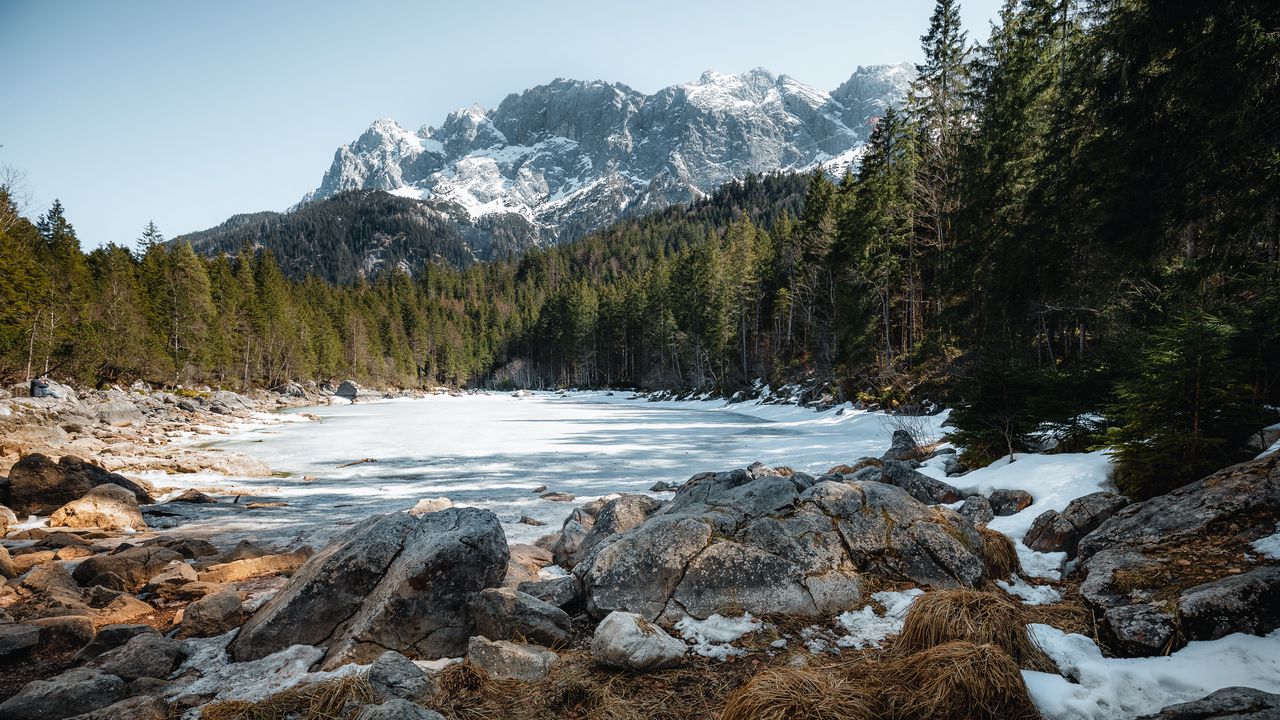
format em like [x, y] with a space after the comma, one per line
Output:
[1053, 481]
[491, 450]
[1108, 688]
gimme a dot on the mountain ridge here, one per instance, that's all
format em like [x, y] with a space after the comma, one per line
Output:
[572, 155]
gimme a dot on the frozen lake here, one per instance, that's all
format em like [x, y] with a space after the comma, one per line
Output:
[492, 450]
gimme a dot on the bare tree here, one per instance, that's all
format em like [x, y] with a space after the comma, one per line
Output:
[15, 196]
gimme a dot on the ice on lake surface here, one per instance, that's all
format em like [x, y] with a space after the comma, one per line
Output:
[492, 450]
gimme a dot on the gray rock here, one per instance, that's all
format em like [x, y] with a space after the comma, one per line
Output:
[1054, 531]
[901, 447]
[144, 655]
[767, 543]
[1247, 603]
[627, 641]
[17, 637]
[615, 516]
[1239, 501]
[566, 549]
[506, 614]
[62, 633]
[393, 582]
[730, 577]
[918, 485]
[211, 615]
[1241, 491]
[1140, 630]
[397, 709]
[561, 591]
[38, 486]
[136, 566]
[352, 391]
[640, 570]
[1010, 502]
[74, 692]
[110, 637]
[393, 675]
[977, 510]
[138, 707]
[505, 660]
[1233, 703]
[117, 410]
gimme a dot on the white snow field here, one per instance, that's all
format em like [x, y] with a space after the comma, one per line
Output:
[492, 450]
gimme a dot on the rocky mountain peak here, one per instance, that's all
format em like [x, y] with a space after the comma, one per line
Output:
[571, 156]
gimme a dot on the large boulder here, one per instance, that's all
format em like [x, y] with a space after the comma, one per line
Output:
[138, 707]
[74, 692]
[1233, 703]
[626, 641]
[902, 446]
[17, 638]
[115, 408]
[505, 660]
[393, 675]
[506, 614]
[918, 485]
[251, 567]
[1247, 603]
[393, 582]
[567, 548]
[110, 637]
[560, 591]
[352, 391]
[144, 655]
[1054, 531]
[134, 565]
[759, 541]
[1010, 502]
[212, 614]
[105, 507]
[1140, 566]
[38, 485]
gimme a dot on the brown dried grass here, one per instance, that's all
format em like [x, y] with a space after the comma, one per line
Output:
[972, 616]
[800, 694]
[960, 681]
[313, 701]
[999, 555]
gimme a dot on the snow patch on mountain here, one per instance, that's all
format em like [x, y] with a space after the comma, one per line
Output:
[570, 156]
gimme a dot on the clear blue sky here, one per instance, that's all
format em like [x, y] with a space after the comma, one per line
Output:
[189, 112]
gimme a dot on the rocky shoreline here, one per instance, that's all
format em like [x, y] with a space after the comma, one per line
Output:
[693, 605]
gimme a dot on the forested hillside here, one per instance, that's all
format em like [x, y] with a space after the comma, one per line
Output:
[1070, 230]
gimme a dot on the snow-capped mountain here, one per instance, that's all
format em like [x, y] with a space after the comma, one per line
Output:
[569, 157]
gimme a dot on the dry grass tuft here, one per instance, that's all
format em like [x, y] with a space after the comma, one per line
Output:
[799, 694]
[998, 554]
[314, 701]
[843, 469]
[1069, 615]
[972, 616]
[960, 681]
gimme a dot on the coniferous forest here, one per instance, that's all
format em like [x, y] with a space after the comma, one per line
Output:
[1070, 230]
